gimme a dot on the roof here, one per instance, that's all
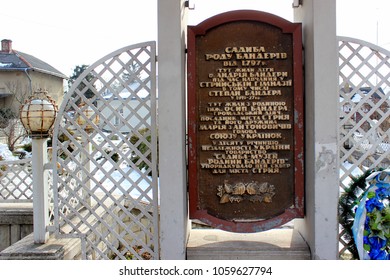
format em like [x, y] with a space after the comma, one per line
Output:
[19, 61]
[135, 89]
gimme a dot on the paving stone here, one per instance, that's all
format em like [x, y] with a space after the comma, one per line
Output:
[276, 244]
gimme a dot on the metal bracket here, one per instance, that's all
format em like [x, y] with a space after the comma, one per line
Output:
[187, 5]
[297, 3]
[48, 166]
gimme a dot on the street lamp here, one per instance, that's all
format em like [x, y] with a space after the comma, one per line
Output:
[87, 118]
[38, 115]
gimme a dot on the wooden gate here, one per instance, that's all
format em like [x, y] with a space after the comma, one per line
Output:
[105, 151]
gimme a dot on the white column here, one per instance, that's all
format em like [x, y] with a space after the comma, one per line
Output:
[172, 27]
[320, 226]
[40, 190]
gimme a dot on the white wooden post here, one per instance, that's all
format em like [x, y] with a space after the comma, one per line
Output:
[40, 190]
[320, 226]
[174, 221]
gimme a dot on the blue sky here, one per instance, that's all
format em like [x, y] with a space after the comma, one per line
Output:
[74, 32]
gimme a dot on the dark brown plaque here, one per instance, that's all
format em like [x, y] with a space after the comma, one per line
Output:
[245, 106]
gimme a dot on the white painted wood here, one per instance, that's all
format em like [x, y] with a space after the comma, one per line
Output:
[172, 25]
[100, 194]
[364, 102]
[40, 190]
[320, 226]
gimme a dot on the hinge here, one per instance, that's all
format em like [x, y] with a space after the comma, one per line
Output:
[187, 5]
[297, 3]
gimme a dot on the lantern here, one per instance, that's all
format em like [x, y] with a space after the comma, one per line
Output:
[88, 118]
[38, 114]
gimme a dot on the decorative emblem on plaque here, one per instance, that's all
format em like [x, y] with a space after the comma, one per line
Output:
[253, 191]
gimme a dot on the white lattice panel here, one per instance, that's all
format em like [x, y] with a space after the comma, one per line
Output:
[364, 77]
[106, 146]
[16, 181]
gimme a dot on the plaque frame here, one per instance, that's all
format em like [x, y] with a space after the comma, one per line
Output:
[297, 209]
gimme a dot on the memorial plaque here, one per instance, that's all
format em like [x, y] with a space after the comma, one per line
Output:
[245, 109]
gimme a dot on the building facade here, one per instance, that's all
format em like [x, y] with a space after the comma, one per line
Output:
[21, 74]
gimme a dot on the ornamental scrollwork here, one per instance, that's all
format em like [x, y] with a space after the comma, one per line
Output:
[238, 192]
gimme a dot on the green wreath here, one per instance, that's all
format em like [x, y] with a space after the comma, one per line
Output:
[348, 202]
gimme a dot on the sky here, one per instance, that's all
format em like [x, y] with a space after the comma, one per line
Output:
[75, 32]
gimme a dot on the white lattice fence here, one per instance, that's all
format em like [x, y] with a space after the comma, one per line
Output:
[16, 181]
[364, 112]
[105, 140]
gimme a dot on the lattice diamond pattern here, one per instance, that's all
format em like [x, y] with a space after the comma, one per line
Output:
[16, 180]
[108, 118]
[364, 72]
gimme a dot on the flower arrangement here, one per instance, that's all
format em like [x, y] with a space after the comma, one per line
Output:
[348, 202]
[371, 227]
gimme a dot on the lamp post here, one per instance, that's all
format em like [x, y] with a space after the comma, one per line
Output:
[37, 115]
[86, 119]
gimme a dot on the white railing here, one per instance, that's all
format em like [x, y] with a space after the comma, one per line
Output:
[16, 184]
[16, 181]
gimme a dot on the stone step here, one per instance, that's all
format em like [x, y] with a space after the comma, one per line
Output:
[54, 249]
[276, 244]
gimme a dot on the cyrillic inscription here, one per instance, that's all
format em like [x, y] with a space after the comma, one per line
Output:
[242, 119]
